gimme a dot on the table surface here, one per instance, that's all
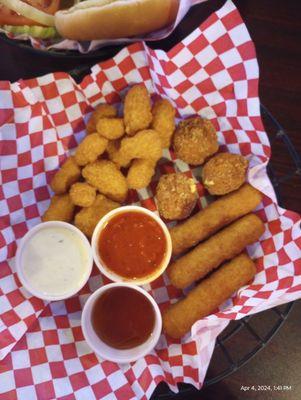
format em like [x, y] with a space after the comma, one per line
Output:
[275, 28]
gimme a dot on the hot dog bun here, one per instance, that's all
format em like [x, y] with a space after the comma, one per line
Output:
[111, 19]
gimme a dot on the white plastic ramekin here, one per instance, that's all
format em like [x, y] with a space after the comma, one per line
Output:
[111, 274]
[108, 352]
[19, 262]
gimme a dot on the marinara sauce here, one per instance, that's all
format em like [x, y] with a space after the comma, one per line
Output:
[132, 245]
[123, 318]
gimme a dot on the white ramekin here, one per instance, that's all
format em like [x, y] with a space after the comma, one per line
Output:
[23, 243]
[108, 352]
[112, 275]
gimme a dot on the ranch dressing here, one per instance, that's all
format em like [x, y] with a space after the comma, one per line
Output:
[54, 261]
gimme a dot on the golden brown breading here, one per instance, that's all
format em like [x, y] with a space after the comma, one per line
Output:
[101, 111]
[145, 144]
[110, 128]
[195, 140]
[176, 196]
[87, 219]
[164, 120]
[90, 148]
[61, 208]
[66, 176]
[137, 110]
[112, 149]
[82, 194]
[208, 295]
[224, 173]
[140, 173]
[105, 176]
[214, 217]
[221, 247]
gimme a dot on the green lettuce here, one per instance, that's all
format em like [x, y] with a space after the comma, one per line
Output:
[39, 32]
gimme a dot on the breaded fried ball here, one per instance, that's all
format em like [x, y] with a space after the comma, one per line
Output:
[145, 144]
[140, 173]
[61, 208]
[87, 219]
[66, 176]
[176, 196]
[105, 176]
[164, 121]
[82, 194]
[137, 110]
[101, 111]
[90, 148]
[110, 128]
[195, 140]
[224, 173]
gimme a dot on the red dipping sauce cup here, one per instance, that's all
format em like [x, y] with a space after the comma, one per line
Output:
[108, 352]
[118, 246]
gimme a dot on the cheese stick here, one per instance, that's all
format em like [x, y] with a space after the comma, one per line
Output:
[214, 217]
[221, 247]
[208, 295]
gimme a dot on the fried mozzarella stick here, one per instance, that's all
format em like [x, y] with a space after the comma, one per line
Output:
[214, 217]
[221, 247]
[208, 295]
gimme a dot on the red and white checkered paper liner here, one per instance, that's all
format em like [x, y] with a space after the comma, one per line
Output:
[214, 73]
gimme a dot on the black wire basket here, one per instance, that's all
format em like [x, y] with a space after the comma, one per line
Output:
[243, 339]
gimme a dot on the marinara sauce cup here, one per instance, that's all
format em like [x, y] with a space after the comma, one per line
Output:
[100, 256]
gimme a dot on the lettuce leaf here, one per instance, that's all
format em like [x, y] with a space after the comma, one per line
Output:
[39, 32]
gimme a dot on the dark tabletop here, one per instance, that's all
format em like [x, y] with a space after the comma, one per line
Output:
[275, 28]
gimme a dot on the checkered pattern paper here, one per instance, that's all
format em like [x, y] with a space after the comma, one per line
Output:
[213, 73]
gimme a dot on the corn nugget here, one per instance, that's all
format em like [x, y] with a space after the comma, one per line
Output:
[221, 247]
[208, 295]
[110, 128]
[164, 121]
[65, 177]
[137, 110]
[145, 144]
[105, 176]
[224, 173]
[140, 174]
[101, 111]
[90, 149]
[214, 217]
[61, 208]
[87, 218]
[82, 194]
